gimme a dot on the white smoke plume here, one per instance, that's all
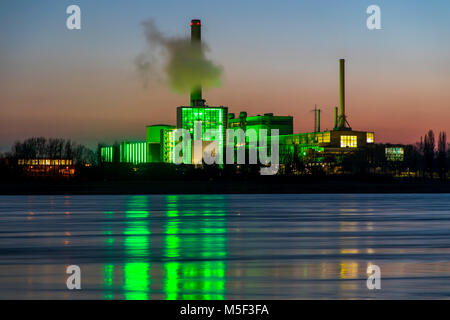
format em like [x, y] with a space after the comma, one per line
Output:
[176, 61]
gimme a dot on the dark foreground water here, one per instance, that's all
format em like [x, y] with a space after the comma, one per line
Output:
[225, 246]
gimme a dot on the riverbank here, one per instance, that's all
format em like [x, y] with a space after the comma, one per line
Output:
[257, 186]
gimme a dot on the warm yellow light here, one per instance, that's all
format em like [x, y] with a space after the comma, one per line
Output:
[349, 141]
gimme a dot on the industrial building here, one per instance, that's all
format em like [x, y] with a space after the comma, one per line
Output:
[211, 118]
[267, 121]
[160, 139]
[39, 167]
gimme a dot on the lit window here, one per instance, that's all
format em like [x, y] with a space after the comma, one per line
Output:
[370, 138]
[395, 154]
[349, 141]
[323, 137]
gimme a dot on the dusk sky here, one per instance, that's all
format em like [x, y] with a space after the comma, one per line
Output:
[277, 56]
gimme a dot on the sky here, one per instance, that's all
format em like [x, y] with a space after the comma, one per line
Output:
[277, 56]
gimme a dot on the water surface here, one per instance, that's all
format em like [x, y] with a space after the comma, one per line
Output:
[225, 246]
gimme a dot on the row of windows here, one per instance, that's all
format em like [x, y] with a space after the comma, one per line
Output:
[210, 118]
[45, 162]
[395, 154]
[323, 137]
[202, 114]
[134, 152]
[349, 141]
[106, 154]
[309, 138]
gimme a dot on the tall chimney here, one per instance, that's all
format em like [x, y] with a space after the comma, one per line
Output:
[196, 39]
[335, 117]
[318, 120]
[341, 93]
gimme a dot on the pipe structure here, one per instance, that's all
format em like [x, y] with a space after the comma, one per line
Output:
[196, 42]
[342, 119]
[318, 120]
[335, 118]
[341, 93]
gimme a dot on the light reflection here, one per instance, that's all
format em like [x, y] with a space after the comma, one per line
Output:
[348, 269]
[108, 268]
[203, 238]
[137, 249]
[109, 281]
[193, 249]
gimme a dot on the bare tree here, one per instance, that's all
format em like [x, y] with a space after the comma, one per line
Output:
[442, 155]
[429, 146]
[53, 149]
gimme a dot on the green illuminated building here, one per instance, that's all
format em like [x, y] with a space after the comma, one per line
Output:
[168, 145]
[211, 118]
[107, 153]
[321, 144]
[133, 152]
[267, 121]
[155, 142]
[161, 139]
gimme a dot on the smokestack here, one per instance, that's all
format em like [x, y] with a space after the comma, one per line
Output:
[341, 93]
[318, 120]
[342, 121]
[196, 39]
[335, 117]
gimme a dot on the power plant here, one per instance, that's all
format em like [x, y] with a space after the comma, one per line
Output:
[316, 146]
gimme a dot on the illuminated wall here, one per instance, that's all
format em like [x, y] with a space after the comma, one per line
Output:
[321, 144]
[395, 153]
[155, 142]
[310, 138]
[303, 144]
[168, 146]
[153, 132]
[133, 152]
[170, 141]
[47, 167]
[44, 162]
[349, 141]
[210, 118]
[161, 139]
[268, 121]
[107, 154]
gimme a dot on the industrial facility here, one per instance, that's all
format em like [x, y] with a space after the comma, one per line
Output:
[318, 147]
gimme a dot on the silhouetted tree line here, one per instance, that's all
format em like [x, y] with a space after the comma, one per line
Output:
[42, 148]
[436, 157]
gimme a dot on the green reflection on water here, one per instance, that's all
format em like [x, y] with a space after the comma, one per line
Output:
[193, 248]
[188, 238]
[108, 268]
[137, 249]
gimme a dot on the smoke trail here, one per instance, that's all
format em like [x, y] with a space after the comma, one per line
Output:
[182, 64]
